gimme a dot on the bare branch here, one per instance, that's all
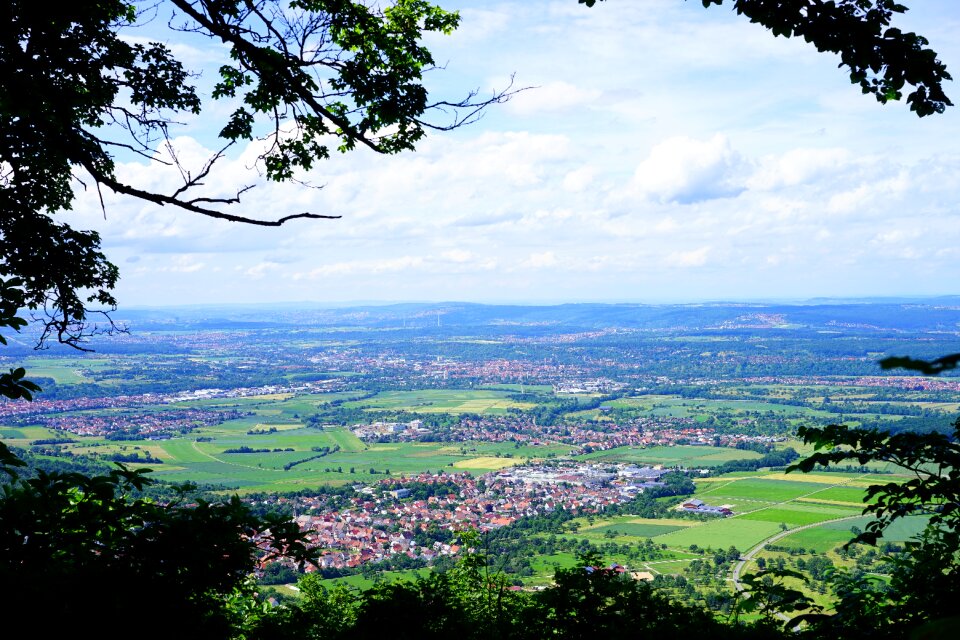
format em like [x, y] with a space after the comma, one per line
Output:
[162, 200]
[56, 321]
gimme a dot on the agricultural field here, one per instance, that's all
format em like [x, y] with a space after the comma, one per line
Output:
[299, 385]
[764, 505]
[208, 461]
[451, 401]
[683, 456]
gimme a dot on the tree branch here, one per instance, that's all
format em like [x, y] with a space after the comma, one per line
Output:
[190, 205]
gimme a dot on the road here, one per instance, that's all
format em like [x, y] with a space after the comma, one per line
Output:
[749, 555]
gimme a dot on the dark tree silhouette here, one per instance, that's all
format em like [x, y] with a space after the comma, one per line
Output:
[302, 76]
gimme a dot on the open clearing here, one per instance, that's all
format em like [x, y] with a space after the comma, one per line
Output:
[636, 530]
[452, 401]
[677, 456]
[721, 534]
[486, 462]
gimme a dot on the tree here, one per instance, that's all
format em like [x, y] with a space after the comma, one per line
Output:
[12, 384]
[84, 556]
[925, 580]
[303, 77]
[882, 59]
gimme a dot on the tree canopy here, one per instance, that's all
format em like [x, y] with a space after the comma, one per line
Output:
[881, 58]
[303, 77]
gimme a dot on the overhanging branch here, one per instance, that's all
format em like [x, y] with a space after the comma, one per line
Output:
[191, 205]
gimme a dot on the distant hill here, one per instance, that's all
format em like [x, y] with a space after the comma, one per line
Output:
[932, 314]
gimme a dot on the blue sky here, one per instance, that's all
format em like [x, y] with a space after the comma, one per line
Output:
[666, 153]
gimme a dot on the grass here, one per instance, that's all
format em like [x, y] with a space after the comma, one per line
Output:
[759, 488]
[486, 463]
[721, 533]
[346, 440]
[61, 370]
[842, 494]
[362, 583]
[685, 456]
[796, 515]
[452, 401]
[669, 567]
[818, 539]
[636, 530]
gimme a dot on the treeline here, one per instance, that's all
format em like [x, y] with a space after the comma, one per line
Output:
[134, 457]
[426, 490]
[321, 452]
[552, 410]
[55, 460]
[776, 458]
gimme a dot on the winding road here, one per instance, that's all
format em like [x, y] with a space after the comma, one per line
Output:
[749, 555]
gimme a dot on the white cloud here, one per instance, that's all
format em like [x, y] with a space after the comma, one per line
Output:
[181, 264]
[540, 260]
[552, 96]
[370, 267]
[579, 179]
[894, 236]
[664, 137]
[457, 255]
[694, 258]
[685, 170]
[798, 166]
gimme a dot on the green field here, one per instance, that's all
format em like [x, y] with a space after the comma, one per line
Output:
[684, 456]
[818, 539]
[363, 583]
[841, 494]
[636, 530]
[796, 515]
[758, 489]
[453, 401]
[721, 534]
[207, 462]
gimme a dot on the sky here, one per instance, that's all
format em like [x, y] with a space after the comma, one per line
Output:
[662, 153]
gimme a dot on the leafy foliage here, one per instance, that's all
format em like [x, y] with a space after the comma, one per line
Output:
[881, 59]
[76, 93]
[926, 577]
[926, 367]
[82, 556]
[932, 459]
[12, 383]
[766, 594]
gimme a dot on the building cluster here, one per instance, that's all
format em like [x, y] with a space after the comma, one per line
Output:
[908, 383]
[594, 385]
[155, 424]
[588, 436]
[319, 386]
[384, 520]
[411, 430]
[699, 506]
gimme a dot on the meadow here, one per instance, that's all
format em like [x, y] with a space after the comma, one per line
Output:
[452, 401]
[686, 455]
[764, 504]
[354, 462]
